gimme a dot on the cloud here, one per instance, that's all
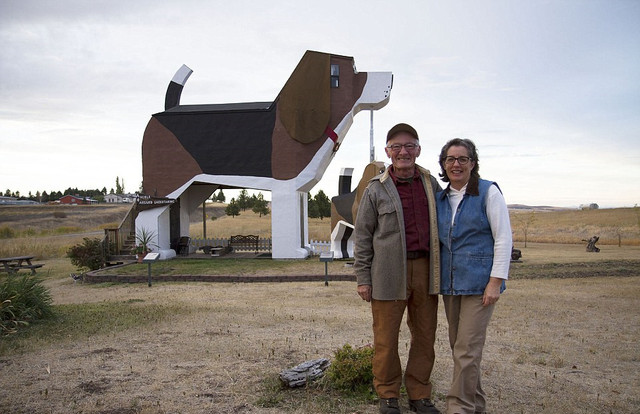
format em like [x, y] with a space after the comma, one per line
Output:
[548, 90]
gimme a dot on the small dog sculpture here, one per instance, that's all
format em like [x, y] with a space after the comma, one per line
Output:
[77, 277]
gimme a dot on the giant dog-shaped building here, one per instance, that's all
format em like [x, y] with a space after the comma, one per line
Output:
[284, 146]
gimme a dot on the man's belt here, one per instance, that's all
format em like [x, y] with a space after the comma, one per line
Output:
[416, 254]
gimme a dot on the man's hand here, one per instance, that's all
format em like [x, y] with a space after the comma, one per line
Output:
[492, 291]
[365, 292]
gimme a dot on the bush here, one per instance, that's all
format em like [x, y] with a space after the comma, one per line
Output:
[7, 232]
[22, 300]
[29, 232]
[87, 255]
[351, 370]
[67, 230]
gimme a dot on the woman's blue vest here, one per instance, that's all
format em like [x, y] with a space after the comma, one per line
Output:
[466, 246]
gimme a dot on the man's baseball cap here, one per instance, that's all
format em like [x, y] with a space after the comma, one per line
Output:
[402, 128]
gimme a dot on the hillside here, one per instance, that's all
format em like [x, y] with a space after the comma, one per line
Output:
[51, 229]
[513, 207]
[50, 217]
[613, 226]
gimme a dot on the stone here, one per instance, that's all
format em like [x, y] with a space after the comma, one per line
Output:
[307, 371]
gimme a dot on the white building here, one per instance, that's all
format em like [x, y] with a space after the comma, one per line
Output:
[119, 198]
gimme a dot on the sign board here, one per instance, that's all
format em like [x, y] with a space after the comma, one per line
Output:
[146, 202]
[326, 256]
[151, 257]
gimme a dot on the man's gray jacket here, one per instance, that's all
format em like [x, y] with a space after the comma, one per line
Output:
[380, 245]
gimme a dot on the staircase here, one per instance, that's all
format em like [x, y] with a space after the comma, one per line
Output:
[119, 242]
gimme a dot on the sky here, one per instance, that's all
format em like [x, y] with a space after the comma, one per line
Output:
[549, 90]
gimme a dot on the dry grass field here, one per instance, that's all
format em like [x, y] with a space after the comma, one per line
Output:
[48, 231]
[563, 339]
[613, 226]
[247, 222]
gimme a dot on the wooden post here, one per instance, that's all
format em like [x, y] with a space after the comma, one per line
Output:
[204, 220]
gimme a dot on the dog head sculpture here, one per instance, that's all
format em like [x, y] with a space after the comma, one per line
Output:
[262, 140]
[344, 206]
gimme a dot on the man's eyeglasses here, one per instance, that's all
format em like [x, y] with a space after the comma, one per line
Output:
[461, 160]
[398, 147]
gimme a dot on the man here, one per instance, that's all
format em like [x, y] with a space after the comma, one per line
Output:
[397, 264]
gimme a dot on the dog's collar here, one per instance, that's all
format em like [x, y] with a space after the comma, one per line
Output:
[333, 136]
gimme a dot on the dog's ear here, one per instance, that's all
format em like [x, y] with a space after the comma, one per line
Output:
[304, 104]
[371, 170]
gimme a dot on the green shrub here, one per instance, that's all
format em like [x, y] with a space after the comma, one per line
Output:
[68, 229]
[29, 232]
[22, 300]
[351, 370]
[7, 232]
[87, 255]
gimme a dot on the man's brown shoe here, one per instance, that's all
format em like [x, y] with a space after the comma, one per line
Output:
[423, 406]
[389, 406]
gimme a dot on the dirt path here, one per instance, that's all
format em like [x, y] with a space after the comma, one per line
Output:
[555, 346]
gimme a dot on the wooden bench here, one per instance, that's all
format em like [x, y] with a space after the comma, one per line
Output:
[12, 265]
[248, 242]
[31, 267]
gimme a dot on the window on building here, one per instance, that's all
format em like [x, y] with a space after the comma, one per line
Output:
[335, 76]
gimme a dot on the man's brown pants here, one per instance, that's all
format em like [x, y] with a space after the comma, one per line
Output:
[422, 319]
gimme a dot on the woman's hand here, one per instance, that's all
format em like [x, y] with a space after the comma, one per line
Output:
[492, 291]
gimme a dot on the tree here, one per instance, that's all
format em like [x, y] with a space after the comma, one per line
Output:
[525, 221]
[617, 230]
[323, 203]
[243, 200]
[260, 206]
[312, 207]
[221, 198]
[119, 188]
[232, 209]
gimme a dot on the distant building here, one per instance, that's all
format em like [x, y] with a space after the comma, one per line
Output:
[119, 198]
[75, 200]
[8, 200]
[14, 201]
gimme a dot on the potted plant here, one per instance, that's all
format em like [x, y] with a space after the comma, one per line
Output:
[138, 251]
[145, 243]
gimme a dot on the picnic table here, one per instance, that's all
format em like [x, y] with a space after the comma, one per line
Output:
[13, 264]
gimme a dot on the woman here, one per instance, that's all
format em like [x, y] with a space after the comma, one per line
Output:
[475, 250]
